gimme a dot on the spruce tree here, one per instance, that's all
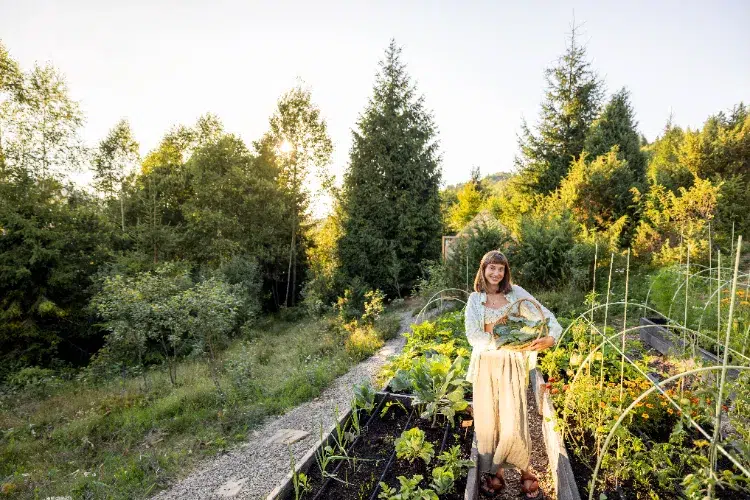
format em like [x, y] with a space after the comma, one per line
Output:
[616, 126]
[390, 201]
[571, 103]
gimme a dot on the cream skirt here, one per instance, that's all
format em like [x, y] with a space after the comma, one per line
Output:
[500, 421]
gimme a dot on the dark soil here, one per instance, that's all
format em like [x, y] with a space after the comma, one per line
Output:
[356, 479]
[434, 435]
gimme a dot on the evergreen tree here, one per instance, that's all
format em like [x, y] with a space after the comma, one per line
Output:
[599, 192]
[616, 126]
[664, 164]
[466, 208]
[390, 201]
[571, 103]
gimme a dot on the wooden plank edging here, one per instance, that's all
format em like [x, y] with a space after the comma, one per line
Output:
[559, 462]
[472, 479]
[286, 485]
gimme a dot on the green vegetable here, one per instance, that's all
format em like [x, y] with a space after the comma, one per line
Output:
[412, 445]
[518, 331]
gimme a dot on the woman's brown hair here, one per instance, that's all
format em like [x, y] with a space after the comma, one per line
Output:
[493, 257]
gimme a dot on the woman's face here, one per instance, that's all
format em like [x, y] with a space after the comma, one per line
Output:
[494, 274]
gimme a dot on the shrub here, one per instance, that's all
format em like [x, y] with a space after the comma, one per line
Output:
[540, 259]
[373, 306]
[580, 261]
[352, 304]
[468, 251]
[362, 341]
[34, 379]
[388, 326]
[243, 273]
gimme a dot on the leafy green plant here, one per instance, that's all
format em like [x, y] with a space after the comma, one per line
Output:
[438, 387]
[410, 490]
[518, 331]
[452, 462]
[364, 396]
[412, 445]
[442, 480]
[401, 381]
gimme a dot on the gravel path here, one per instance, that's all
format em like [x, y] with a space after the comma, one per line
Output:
[539, 462]
[255, 468]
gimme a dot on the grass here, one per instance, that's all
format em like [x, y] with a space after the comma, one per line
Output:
[113, 440]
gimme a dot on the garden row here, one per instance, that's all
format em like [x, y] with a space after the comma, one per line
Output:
[648, 413]
[394, 446]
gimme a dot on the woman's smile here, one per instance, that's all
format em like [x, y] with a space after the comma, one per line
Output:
[495, 273]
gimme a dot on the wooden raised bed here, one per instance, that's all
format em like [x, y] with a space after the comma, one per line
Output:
[376, 456]
[657, 335]
[559, 463]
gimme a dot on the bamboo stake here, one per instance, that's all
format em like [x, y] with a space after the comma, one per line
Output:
[687, 286]
[593, 294]
[717, 422]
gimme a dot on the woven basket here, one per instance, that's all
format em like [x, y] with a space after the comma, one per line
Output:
[543, 332]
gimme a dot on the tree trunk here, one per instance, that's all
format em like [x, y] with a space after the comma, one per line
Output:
[294, 272]
[153, 231]
[294, 233]
[289, 268]
[122, 209]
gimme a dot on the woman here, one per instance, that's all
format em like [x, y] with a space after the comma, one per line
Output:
[500, 376]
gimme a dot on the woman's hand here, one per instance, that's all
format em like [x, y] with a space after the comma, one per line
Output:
[541, 344]
[490, 327]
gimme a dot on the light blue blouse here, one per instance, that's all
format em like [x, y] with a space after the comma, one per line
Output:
[482, 341]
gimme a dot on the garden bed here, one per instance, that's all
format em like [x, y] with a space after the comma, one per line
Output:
[658, 335]
[371, 455]
[655, 452]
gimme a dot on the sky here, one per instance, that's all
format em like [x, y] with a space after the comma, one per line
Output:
[480, 65]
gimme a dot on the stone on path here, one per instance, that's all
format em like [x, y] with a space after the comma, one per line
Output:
[287, 436]
[231, 488]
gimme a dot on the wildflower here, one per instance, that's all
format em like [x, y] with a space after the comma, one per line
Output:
[566, 387]
[555, 390]
[649, 405]
[638, 405]
[724, 407]
[701, 443]
[670, 411]
[552, 380]
[602, 404]
[664, 403]
[645, 416]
